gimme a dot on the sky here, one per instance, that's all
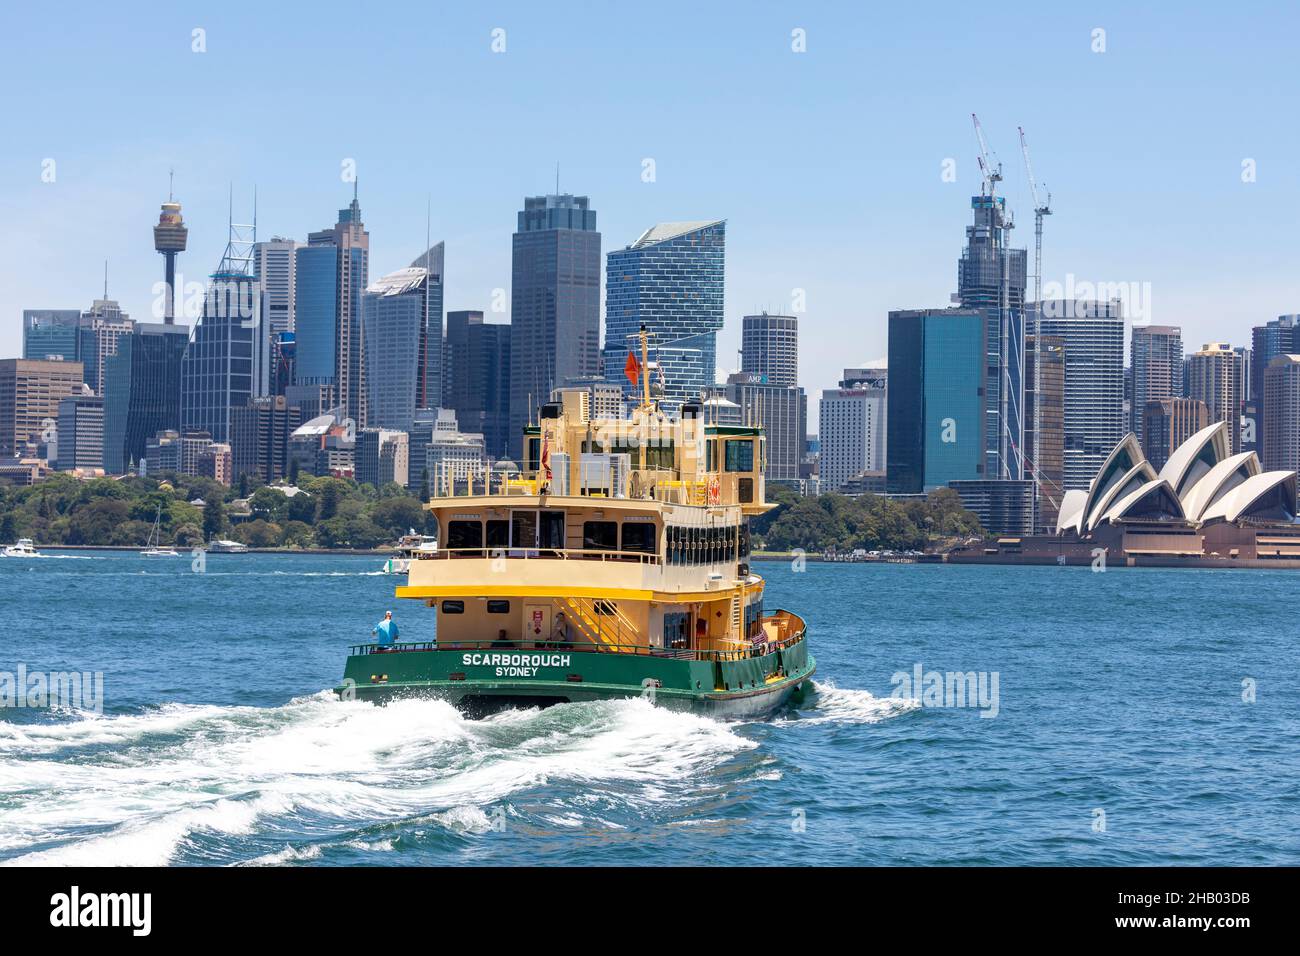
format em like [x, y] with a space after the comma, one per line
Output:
[1169, 143]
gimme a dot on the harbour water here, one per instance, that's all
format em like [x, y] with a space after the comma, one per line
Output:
[1142, 717]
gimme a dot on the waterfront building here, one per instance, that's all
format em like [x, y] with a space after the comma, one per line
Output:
[331, 274]
[1214, 377]
[382, 457]
[554, 304]
[936, 419]
[142, 391]
[1093, 337]
[30, 393]
[323, 446]
[52, 333]
[1156, 360]
[216, 463]
[671, 281]
[402, 322]
[1168, 423]
[1045, 413]
[1004, 506]
[259, 437]
[991, 278]
[1206, 507]
[852, 430]
[769, 346]
[81, 431]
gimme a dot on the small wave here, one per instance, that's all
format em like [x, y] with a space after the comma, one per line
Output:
[831, 704]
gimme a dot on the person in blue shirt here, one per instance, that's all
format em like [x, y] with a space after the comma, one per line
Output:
[386, 630]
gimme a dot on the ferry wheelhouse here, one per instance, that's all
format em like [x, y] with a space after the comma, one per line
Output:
[613, 563]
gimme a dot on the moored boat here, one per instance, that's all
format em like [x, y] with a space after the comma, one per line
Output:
[614, 563]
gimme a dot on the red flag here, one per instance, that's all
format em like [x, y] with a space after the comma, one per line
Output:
[632, 369]
[546, 455]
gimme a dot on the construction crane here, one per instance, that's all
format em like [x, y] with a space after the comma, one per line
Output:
[992, 175]
[1041, 208]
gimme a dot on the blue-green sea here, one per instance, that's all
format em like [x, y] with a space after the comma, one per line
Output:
[1142, 717]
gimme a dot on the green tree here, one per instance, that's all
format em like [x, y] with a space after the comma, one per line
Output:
[214, 518]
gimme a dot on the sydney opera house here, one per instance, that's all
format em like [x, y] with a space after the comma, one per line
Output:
[1206, 507]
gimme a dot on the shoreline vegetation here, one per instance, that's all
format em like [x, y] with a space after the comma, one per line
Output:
[336, 516]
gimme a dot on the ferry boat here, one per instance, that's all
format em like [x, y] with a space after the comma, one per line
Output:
[23, 548]
[612, 563]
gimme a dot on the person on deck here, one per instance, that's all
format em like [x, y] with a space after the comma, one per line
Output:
[560, 631]
[502, 640]
[386, 630]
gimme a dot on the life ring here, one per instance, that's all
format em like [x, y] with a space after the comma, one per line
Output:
[715, 491]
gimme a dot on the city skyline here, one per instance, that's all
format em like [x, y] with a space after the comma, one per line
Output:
[104, 199]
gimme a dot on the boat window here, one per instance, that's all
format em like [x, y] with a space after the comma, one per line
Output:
[605, 608]
[464, 535]
[600, 535]
[453, 607]
[498, 607]
[550, 532]
[744, 539]
[745, 490]
[740, 454]
[524, 530]
[676, 634]
[660, 455]
[639, 536]
[498, 533]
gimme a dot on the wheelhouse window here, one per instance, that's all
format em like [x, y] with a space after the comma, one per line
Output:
[464, 535]
[639, 536]
[453, 607]
[498, 607]
[600, 535]
[739, 454]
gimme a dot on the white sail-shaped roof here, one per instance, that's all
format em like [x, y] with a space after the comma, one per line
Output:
[1118, 465]
[1271, 495]
[1218, 481]
[1196, 457]
[1071, 510]
[1133, 480]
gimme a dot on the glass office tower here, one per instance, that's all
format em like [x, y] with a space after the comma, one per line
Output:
[671, 281]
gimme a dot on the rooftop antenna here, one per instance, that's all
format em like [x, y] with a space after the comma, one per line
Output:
[171, 183]
[557, 178]
[106, 281]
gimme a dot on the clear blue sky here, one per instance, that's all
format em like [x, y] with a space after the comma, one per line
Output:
[826, 164]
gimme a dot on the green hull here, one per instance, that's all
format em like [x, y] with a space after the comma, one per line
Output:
[482, 680]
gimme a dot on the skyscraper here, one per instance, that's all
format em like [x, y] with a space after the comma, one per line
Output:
[52, 332]
[1093, 336]
[555, 303]
[330, 276]
[30, 393]
[101, 328]
[478, 378]
[1156, 357]
[142, 391]
[769, 346]
[671, 281]
[402, 322]
[936, 417]
[991, 278]
[1281, 389]
[1214, 377]
[782, 410]
[260, 433]
[169, 239]
[274, 266]
[382, 457]
[1049, 465]
[228, 359]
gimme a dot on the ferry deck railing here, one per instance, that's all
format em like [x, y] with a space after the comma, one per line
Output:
[649, 650]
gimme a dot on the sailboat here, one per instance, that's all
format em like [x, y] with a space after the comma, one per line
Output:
[153, 548]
